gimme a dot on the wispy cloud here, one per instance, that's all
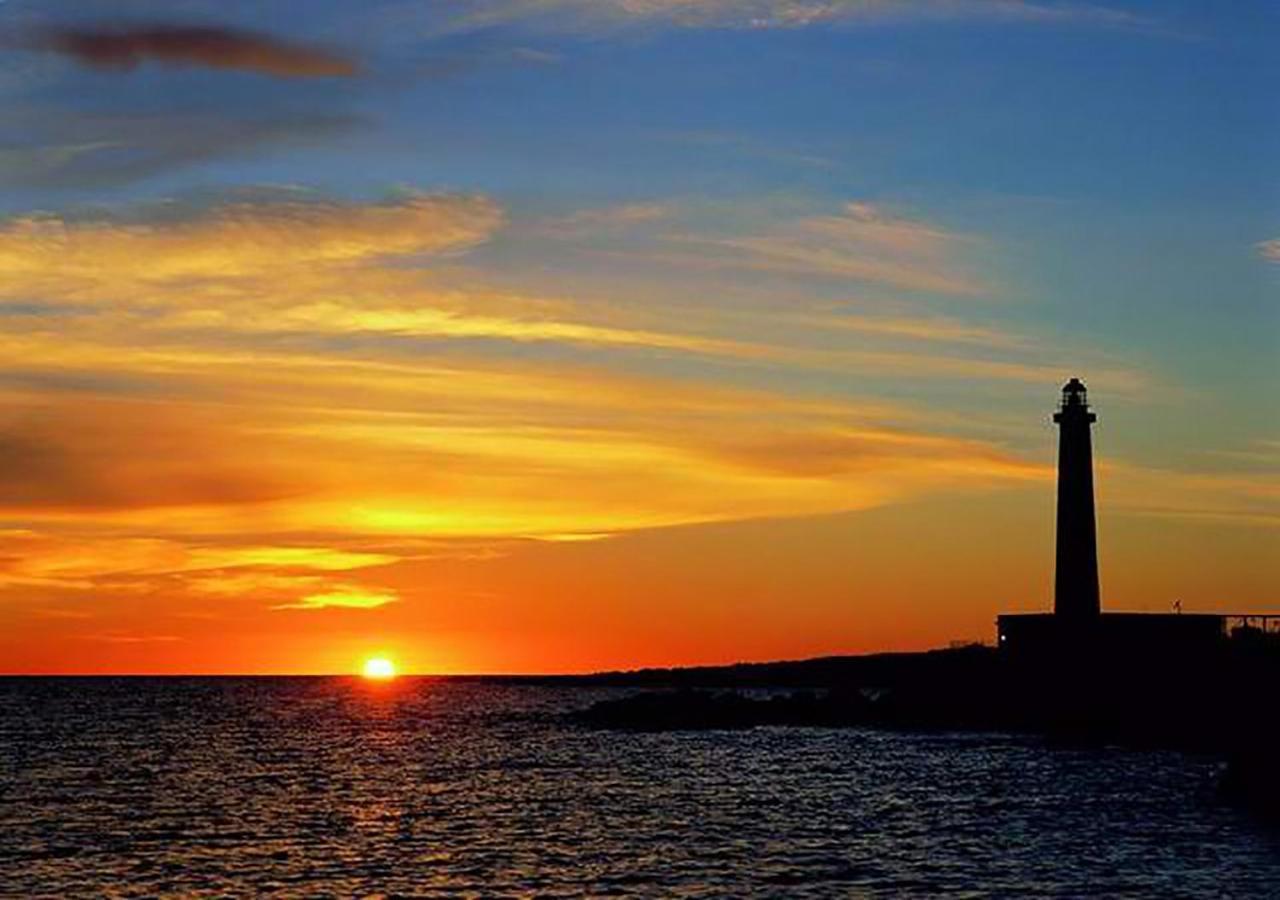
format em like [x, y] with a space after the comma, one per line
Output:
[39, 163]
[87, 149]
[119, 638]
[286, 577]
[125, 47]
[240, 238]
[344, 598]
[1226, 495]
[587, 15]
[861, 243]
[324, 559]
[29, 555]
[1269, 250]
[298, 264]
[623, 215]
[938, 328]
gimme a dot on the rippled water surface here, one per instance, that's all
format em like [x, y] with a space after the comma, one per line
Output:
[428, 787]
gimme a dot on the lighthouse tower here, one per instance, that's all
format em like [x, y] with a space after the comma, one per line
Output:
[1125, 645]
[1075, 598]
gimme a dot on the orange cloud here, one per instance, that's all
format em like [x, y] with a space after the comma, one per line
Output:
[86, 258]
[127, 47]
[29, 556]
[39, 559]
[109, 564]
[325, 559]
[388, 449]
[299, 266]
[346, 597]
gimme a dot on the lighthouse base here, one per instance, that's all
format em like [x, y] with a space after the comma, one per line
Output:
[1136, 635]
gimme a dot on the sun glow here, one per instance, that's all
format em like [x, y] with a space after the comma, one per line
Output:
[379, 668]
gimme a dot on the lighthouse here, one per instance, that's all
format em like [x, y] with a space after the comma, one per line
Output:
[1076, 595]
[1077, 628]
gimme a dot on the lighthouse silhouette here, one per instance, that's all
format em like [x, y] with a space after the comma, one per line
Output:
[1076, 595]
[1126, 642]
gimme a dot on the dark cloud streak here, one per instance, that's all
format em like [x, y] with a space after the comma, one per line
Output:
[126, 47]
[127, 456]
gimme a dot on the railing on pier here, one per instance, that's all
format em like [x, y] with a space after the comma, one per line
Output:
[1265, 623]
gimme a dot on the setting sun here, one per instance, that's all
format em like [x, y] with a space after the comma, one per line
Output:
[379, 667]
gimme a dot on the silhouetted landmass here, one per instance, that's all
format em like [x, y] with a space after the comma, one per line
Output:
[821, 672]
[1220, 702]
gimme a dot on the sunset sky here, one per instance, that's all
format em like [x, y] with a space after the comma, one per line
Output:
[557, 335]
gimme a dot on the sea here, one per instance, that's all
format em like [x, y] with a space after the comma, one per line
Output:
[426, 787]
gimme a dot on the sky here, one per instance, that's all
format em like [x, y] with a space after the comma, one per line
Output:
[564, 335]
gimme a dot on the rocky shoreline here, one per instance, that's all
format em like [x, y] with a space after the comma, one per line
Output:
[1215, 706]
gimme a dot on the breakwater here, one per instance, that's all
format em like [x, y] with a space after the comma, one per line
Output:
[1217, 703]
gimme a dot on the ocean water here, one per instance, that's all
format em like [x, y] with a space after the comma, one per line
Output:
[421, 787]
